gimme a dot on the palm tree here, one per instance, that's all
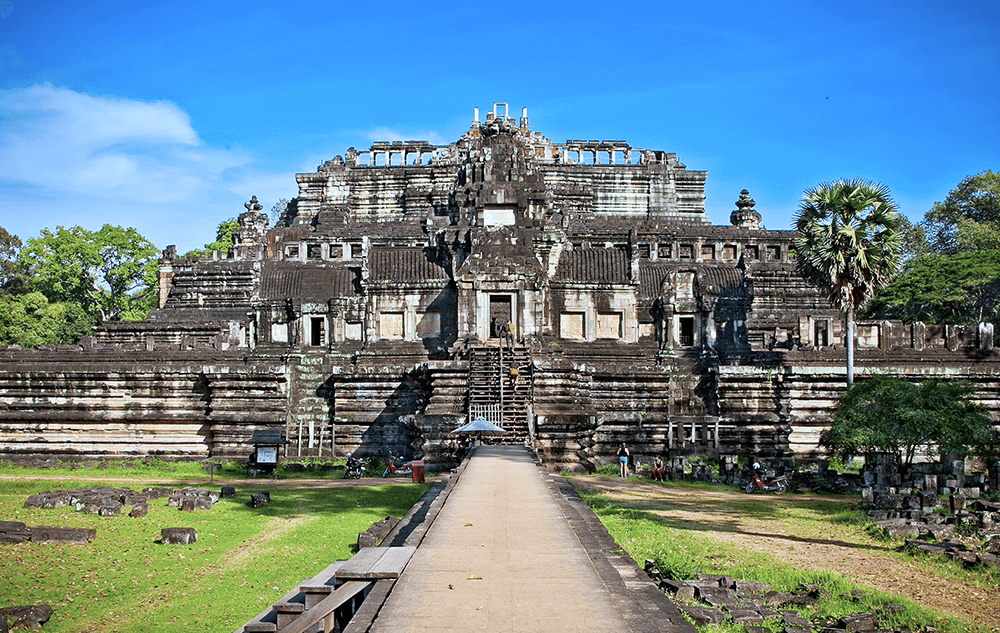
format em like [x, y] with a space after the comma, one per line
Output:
[848, 244]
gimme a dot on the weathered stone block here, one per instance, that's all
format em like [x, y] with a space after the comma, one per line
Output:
[139, 510]
[717, 597]
[791, 618]
[178, 536]
[30, 617]
[702, 616]
[777, 598]
[746, 588]
[678, 590]
[378, 531]
[746, 616]
[77, 536]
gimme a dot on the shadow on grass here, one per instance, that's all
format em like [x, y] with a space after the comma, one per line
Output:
[723, 514]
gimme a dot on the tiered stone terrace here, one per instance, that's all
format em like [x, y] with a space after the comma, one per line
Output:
[350, 324]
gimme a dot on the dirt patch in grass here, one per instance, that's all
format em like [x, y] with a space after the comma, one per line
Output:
[250, 549]
[755, 523]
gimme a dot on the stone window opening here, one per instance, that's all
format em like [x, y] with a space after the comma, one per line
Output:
[634, 157]
[729, 251]
[821, 334]
[644, 251]
[336, 251]
[685, 334]
[708, 251]
[317, 331]
[686, 251]
[356, 251]
[292, 251]
[774, 252]
[665, 251]
[751, 252]
[314, 251]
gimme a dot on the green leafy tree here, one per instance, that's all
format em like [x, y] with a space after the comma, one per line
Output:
[29, 320]
[968, 219]
[223, 239]
[11, 270]
[958, 289]
[110, 273]
[847, 244]
[952, 272]
[890, 415]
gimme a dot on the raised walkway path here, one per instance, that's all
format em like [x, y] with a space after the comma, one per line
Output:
[513, 549]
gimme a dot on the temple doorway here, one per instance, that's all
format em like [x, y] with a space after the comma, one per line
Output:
[500, 313]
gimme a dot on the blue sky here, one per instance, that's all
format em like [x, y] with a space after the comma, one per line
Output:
[168, 116]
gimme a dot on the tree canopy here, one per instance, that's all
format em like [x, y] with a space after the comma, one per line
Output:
[848, 245]
[223, 239]
[111, 273]
[968, 219]
[11, 271]
[884, 414]
[30, 320]
[953, 273]
[963, 288]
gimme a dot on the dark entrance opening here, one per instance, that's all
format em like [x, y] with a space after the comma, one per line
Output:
[500, 313]
[820, 337]
[687, 331]
[316, 331]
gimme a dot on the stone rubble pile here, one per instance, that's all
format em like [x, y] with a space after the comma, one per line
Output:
[937, 507]
[713, 600]
[106, 501]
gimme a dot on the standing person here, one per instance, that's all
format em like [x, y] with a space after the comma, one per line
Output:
[659, 471]
[623, 455]
[509, 335]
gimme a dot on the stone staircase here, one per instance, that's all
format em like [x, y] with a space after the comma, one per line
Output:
[309, 425]
[490, 391]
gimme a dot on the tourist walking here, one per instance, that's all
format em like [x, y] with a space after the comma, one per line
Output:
[513, 375]
[508, 334]
[623, 457]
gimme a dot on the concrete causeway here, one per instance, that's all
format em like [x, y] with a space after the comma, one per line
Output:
[514, 549]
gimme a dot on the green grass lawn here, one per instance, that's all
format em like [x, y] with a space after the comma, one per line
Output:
[686, 546]
[244, 558]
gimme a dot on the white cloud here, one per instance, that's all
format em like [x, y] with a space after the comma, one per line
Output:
[118, 149]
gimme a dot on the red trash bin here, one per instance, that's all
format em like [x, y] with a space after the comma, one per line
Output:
[417, 468]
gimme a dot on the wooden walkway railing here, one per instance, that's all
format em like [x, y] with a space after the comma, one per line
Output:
[326, 602]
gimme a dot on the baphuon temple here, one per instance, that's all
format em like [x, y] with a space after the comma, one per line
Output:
[370, 319]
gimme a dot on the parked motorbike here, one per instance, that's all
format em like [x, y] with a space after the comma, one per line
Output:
[398, 467]
[778, 485]
[355, 467]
